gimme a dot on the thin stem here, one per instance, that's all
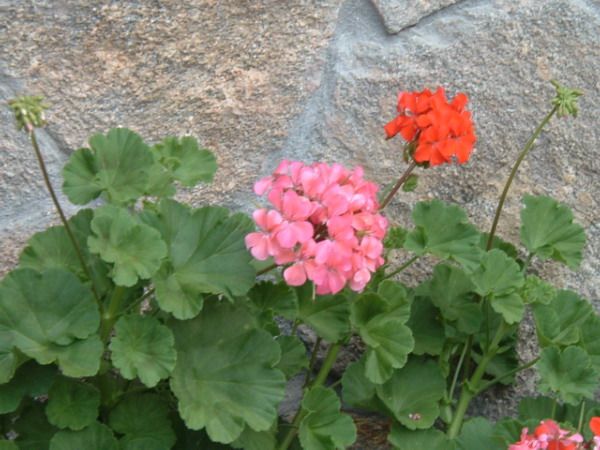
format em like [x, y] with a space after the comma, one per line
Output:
[63, 218]
[554, 405]
[318, 381]
[313, 359]
[398, 184]
[507, 374]
[457, 371]
[110, 316]
[401, 268]
[581, 414]
[266, 269]
[513, 172]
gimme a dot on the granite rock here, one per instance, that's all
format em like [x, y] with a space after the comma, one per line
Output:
[399, 14]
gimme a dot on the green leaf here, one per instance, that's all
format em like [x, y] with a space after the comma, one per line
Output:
[404, 439]
[72, 404]
[388, 340]
[269, 299]
[143, 347]
[232, 382]
[8, 445]
[207, 254]
[95, 437]
[34, 431]
[52, 249]
[443, 230]
[143, 420]
[31, 380]
[324, 427]
[117, 165]
[478, 433]
[536, 290]
[397, 299]
[540, 408]
[547, 229]
[498, 243]
[569, 374]
[81, 358]
[426, 327]
[395, 237]
[411, 183]
[559, 322]
[255, 440]
[327, 315]
[185, 161]
[414, 404]
[357, 390]
[9, 360]
[452, 292]
[136, 249]
[48, 315]
[590, 339]
[293, 355]
[508, 431]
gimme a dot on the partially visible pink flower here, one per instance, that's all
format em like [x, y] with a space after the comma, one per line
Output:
[324, 224]
[549, 436]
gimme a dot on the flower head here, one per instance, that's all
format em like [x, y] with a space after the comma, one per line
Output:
[439, 130]
[29, 111]
[548, 436]
[565, 100]
[323, 225]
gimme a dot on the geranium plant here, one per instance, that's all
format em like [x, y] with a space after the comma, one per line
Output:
[143, 323]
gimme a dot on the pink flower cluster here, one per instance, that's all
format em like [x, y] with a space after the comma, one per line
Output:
[324, 224]
[549, 436]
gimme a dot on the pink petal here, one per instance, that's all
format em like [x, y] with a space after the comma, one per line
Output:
[295, 275]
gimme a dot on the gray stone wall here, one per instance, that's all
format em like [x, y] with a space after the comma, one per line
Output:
[257, 81]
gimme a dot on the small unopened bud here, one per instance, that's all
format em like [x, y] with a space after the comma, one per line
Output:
[565, 100]
[28, 111]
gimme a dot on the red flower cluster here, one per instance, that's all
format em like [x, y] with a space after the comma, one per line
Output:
[324, 223]
[440, 129]
[549, 436]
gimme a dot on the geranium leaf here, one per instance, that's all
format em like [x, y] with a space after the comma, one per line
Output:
[47, 314]
[567, 373]
[443, 230]
[274, 298]
[9, 360]
[327, 315]
[426, 327]
[116, 165]
[255, 440]
[397, 298]
[560, 321]
[324, 427]
[144, 423]
[414, 404]
[547, 229]
[72, 404]
[357, 390]
[52, 249]
[540, 408]
[478, 433]
[293, 355]
[143, 347]
[135, 249]
[590, 339]
[185, 161]
[33, 429]
[404, 439]
[96, 436]
[452, 292]
[81, 358]
[536, 290]
[395, 237]
[8, 445]
[232, 382]
[31, 380]
[500, 244]
[207, 255]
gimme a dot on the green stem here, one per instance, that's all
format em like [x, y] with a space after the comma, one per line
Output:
[266, 269]
[63, 218]
[470, 388]
[554, 405]
[507, 374]
[401, 268]
[522, 155]
[110, 316]
[313, 358]
[137, 302]
[398, 184]
[581, 414]
[457, 371]
[318, 381]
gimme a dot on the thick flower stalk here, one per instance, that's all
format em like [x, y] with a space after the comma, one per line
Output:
[440, 130]
[548, 435]
[324, 225]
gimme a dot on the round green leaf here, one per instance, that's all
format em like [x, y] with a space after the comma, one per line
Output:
[414, 404]
[359, 391]
[95, 437]
[207, 254]
[136, 249]
[404, 439]
[478, 433]
[293, 355]
[569, 374]
[31, 379]
[33, 429]
[9, 361]
[255, 440]
[327, 315]
[185, 161]
[547, 229]
[143, 347]
[8, 445]
[224, 377]
[144, 422]
[427, 327]
[72, 404]
[269, 298]
[590, 339]
[117, 165]
[324, 427]
[443, 230]
[47, 314]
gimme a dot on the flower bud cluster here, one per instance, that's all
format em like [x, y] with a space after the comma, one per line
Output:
[324, 225]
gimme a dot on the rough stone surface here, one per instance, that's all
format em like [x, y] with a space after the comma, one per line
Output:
[399, 14]
[264, 80]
